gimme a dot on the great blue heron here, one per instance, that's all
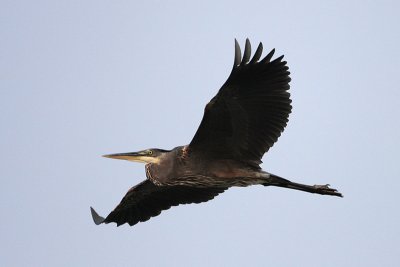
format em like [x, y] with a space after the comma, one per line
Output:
[240, 124]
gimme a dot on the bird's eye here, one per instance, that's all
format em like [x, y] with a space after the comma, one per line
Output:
[150, 152]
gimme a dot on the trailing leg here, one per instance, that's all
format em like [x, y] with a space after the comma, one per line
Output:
[274, 180]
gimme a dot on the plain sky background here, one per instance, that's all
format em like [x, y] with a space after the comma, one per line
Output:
[79, 79]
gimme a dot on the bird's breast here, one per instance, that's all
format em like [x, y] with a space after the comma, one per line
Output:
[167, 169]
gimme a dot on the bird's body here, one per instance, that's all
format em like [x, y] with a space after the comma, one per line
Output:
[180, 167]
[239, 125]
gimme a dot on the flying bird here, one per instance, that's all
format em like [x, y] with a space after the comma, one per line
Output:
[240, 124]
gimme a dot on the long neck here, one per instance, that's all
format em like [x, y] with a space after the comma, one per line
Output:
[164, 169]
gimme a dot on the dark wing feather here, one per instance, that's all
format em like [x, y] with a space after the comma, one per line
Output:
[147, 200]
[249, 112]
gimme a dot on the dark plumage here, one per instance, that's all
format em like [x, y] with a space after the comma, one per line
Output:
[147, 200]
[239, 125]
[249, 112]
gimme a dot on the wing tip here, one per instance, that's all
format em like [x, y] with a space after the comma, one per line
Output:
[247, 52]
[238, 54]
[268, 57]
[257, 54]
[97, 219]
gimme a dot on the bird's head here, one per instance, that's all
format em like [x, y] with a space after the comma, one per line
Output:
[151, 155]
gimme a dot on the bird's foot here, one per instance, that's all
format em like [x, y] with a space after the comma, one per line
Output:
[326, 190]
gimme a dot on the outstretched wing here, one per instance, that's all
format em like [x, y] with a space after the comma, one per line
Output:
[147, 200]
[249, 112]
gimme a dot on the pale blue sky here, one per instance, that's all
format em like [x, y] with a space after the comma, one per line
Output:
[79, 79]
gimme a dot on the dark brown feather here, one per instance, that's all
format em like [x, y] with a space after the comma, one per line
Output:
[250, 111]
[147, 200]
